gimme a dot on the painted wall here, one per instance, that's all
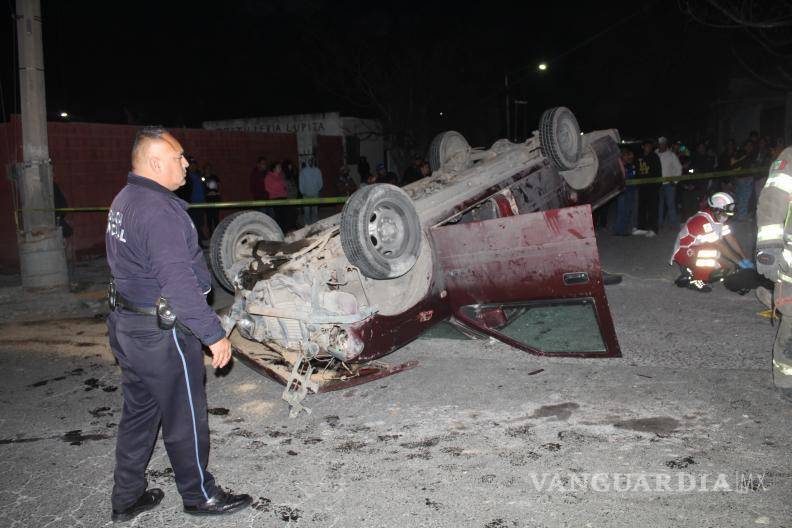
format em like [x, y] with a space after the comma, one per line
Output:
[91, 161]
[308, 128]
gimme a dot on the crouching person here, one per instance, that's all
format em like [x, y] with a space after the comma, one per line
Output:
[706, 250]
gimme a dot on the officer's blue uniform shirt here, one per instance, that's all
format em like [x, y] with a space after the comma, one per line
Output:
[153, 251]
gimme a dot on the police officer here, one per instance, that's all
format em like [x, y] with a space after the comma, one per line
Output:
[158, 268]
[774, 259]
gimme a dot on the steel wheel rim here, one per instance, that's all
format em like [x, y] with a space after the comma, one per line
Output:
[387, 230]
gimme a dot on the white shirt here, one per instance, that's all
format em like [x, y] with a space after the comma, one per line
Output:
[670, 163]
[310, 181]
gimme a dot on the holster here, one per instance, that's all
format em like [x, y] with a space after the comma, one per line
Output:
[166, 318]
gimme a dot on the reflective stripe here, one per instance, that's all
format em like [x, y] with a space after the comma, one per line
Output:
[781, 181]
[709, 238]
[770, 232]
[782, 368]
[787, 256]
[708, 253]
[725, 230]
[192, 410]
[706, 263]
[784, 277]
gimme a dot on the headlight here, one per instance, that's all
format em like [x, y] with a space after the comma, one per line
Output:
[246, 326]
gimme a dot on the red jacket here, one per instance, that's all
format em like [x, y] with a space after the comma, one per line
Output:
[275, 185]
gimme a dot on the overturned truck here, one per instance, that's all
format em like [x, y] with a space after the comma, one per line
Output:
[494, 237]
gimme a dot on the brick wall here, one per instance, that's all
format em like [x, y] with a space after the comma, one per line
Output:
[90, 163]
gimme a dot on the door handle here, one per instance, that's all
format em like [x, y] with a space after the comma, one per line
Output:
[578, 277]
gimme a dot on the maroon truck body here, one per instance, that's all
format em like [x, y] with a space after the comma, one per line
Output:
[507, 254]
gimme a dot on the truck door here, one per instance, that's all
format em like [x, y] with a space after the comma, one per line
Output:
[532, 281]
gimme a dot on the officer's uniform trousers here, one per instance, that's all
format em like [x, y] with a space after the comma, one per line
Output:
[162, 378]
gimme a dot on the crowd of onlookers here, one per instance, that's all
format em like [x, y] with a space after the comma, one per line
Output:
[640, 210]
[646, 208]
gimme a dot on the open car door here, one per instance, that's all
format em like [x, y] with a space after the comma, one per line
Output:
[532, 281]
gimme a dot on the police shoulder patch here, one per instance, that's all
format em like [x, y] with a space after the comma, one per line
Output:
[779, 164]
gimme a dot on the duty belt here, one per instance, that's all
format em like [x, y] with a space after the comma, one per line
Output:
[166, 319]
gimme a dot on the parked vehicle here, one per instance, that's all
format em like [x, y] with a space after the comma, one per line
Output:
[493, 242]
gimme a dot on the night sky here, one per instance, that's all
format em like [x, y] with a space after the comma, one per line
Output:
[649, 70]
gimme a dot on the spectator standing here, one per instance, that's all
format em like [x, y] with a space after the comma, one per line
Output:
[258, 190]
[670, 167]
[743, 185]
[649, 193]
[197, 196]
[724, 161]
[292, 192]
[625, 203]
[386, 176]
[345, 182]
[694, 191]
[413, 172]
[371, 178]
[311, 183]
[364, 169]
[776, 149]
[275, 185]
[212, 183]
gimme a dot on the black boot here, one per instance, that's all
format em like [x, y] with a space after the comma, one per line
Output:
[147, 501]
[699, 286]
[683, 281]
[222, 502]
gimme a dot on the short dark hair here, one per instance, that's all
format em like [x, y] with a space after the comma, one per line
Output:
[144, 135]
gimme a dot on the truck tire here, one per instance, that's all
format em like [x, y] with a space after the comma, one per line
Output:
[380, 231]
[449, 150]
[231, 241]
[559, 137]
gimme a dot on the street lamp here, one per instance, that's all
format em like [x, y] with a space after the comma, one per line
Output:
[64, 115]
[542, 66]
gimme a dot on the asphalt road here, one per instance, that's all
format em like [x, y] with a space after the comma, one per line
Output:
[478, 435]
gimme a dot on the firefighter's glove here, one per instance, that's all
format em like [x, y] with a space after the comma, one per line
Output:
[746, 264]
[767, 261]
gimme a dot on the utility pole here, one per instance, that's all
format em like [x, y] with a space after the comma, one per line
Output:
[42, 256]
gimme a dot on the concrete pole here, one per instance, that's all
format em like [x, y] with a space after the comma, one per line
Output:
[42, 255]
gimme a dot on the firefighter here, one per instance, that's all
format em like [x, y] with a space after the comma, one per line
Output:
[774, 259]
[706, 250]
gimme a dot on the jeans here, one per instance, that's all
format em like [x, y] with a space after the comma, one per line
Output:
[310, 214]
[625, 204]
[743, 188]
[648, 197]
[668, 206]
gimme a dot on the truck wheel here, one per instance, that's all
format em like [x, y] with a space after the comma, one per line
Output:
[449, 150]
[559, 137]
[233, 240]
[380, 231]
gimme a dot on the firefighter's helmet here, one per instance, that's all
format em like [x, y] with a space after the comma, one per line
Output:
[723, 202]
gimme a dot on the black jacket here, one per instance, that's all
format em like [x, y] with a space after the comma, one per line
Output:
[153, 251]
